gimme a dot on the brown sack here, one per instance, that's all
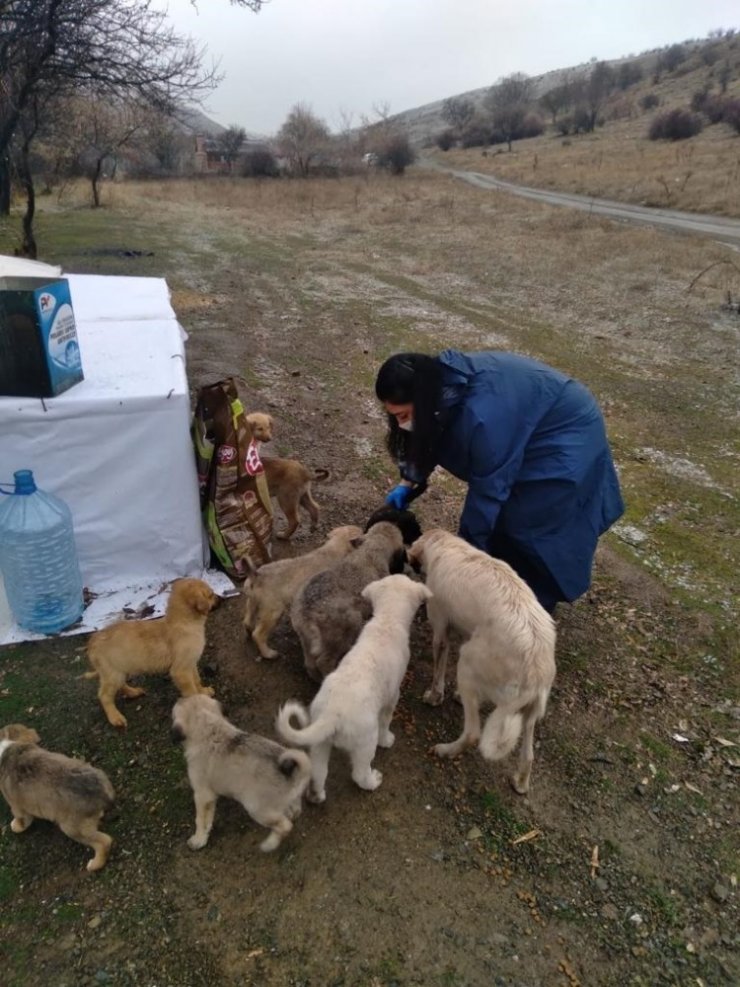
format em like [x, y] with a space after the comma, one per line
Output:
[234, 498]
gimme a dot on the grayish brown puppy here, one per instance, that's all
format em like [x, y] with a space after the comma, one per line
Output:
[267, 779]
[170, 645]
[39, 784]
[290, 484]
[270, 589]
[329, 611]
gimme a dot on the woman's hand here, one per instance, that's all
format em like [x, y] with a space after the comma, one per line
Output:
[399, 497]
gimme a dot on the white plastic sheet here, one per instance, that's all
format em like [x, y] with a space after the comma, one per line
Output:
[117, 449]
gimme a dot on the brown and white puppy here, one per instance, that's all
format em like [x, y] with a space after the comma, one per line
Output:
[267, 779]
[508, 657]
[354, 706]
[39, 784]
[170, 645]
[329, 610]
[261, 425]
[289, 482]
[270, 589]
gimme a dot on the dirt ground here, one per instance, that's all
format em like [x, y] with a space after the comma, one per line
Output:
[619, 867]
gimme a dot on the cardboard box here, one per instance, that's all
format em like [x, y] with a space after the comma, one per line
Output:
[39, 349]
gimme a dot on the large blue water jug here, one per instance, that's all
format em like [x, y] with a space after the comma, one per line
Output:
[38, 558]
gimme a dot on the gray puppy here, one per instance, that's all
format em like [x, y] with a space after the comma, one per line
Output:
[266, 778]
[40, 784]
[329, 611]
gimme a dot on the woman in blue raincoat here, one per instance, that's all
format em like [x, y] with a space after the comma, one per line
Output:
[530, 443]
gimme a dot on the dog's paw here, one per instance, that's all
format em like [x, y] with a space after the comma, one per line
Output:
[316, 797]
[269, 654]
[206, 690]
[119, 722]
[19, 825]
[272, 842]
[95, 864]
[197, 842]
[520, 782]
[387, 740]
[432, 697]
[373, 780]
[446, 750]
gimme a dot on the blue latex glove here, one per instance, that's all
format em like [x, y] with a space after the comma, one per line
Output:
[399, 497]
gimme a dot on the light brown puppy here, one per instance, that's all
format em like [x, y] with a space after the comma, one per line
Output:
[266, 778]
[270, 589]
[170, 645]
[508, 657]
[289, 482]
[261, 425]
[39, 784]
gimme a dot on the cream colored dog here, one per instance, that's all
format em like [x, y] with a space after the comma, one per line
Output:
[270, 589]
[171, 644]
[40, 784]
[354, 706]
[509, 655]
[267, 779]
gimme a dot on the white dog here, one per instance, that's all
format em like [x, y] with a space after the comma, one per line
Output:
[354, 706]
[508, 658]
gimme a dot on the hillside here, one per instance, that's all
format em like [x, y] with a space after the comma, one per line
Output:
[704, 57]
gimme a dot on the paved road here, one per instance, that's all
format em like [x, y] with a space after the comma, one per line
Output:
[716, 227]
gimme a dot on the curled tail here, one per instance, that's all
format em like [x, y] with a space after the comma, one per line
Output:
[307, 734]
[500, 734]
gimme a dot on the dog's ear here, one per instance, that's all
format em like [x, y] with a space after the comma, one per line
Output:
[356, 542]
[203, 600]
[177, 734]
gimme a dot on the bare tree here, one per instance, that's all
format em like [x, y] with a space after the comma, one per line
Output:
[302, 138]
[458, 112]
[600, 83]
[230, 143]
[508, 102]
[108, 46]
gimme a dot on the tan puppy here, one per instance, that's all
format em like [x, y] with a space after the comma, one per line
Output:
[290, 484]
[171, 644]
[270, 589]
[354, 706]
[267, 779]
[508, 658]
[261, 425]
[39, 784]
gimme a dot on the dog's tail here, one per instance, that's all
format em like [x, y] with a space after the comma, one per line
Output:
[88, 675]
[500, 734]
[320, 475]
[307, 734]
[295, 764]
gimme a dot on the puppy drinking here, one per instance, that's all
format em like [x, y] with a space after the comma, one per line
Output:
[171, 644]
[508, 658]
[39, 784]
[329, 610]
[267, 779]
[270, 589]
[354, 706]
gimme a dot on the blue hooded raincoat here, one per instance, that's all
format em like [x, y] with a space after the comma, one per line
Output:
[530, 443]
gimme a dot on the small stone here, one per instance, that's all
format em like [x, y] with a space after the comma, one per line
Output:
[720, 892]
[640, 789]
[95, 922]
[601, 884]
[609, 911]
[474, 833]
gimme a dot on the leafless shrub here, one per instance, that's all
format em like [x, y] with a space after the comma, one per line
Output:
[675, 125]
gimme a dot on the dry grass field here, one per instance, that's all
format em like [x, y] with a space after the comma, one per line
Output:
[443, 876]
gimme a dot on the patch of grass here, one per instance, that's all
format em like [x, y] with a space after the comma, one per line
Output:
[659, 750]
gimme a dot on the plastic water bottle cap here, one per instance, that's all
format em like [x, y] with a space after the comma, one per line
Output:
[24, 482]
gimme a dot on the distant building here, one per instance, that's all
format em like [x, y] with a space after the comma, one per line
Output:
[209, 157]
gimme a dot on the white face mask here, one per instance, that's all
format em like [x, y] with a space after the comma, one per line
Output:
[407, 426]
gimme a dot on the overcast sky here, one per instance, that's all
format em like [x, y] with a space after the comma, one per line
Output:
[349, 55]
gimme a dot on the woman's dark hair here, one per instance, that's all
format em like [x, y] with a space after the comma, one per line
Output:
[412, 378]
